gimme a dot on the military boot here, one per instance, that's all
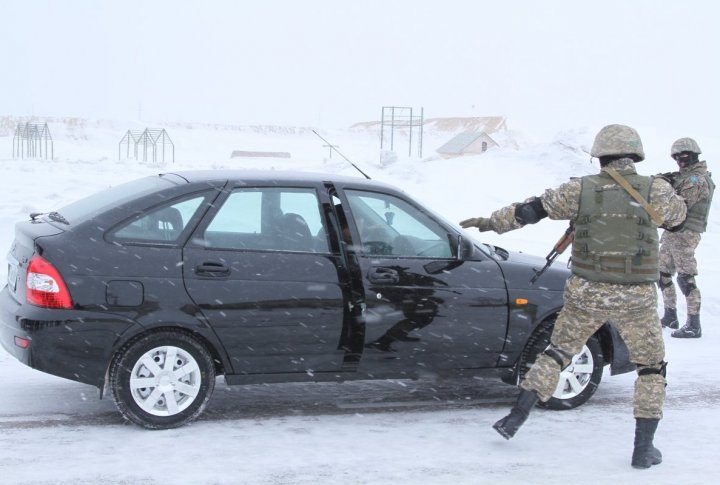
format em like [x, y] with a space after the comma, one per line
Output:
[645, 454]
[510, 424]
[670, 319]
[690, 330]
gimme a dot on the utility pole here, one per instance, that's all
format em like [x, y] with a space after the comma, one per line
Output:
[331, 148]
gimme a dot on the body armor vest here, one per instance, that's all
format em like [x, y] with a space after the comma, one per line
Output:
[615, 238]
[697, 215]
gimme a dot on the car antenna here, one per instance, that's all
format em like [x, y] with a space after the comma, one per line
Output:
[332, 147]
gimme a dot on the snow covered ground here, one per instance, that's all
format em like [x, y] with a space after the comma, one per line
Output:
[55, 431]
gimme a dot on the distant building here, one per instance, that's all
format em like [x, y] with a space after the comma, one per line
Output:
[475, 124]
[486, 124]
[467, 143]
[257, 154]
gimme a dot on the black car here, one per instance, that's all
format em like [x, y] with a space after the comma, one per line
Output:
[155, 287]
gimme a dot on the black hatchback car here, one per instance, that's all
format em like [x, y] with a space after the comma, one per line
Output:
[155, 287]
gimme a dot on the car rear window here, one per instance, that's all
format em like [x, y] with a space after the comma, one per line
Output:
[86, 208]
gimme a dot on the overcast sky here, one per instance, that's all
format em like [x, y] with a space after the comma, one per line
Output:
[543, 64]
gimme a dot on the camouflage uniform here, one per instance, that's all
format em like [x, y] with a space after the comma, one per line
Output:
[677, 249]
[615, 255]
[589, 304]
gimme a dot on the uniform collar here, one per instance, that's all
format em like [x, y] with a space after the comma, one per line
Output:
[623, 165]
[700, 166]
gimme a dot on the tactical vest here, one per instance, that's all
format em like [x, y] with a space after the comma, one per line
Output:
[697, 215]
[615, 238]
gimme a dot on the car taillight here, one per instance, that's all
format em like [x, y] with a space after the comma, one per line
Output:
[45, 286]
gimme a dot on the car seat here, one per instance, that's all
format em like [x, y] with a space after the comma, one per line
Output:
[295, 234]
[165, 224]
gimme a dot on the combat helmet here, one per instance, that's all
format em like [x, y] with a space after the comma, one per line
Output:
[614, 140]
[684, 145]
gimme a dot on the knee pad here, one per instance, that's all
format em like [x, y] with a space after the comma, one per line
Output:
[646, 370]
[563, 359]
[665, 281]
[686, 282]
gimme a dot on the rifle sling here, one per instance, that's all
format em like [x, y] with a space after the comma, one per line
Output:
[634, 194]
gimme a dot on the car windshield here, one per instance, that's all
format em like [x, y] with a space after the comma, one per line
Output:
[84, 209]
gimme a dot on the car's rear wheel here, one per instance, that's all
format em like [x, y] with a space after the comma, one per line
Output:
[162, 380]
[579, 381]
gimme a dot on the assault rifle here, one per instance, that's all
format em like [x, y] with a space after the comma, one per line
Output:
[669, 176]
[557, 250]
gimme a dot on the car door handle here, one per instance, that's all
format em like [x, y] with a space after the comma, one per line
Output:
[215, 270]
[386, 276]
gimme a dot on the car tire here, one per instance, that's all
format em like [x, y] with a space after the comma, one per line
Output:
[579, 381]
[162, 380]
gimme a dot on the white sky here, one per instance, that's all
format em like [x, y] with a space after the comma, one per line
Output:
[544, 65]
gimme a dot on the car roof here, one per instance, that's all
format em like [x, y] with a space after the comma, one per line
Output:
[193, 176]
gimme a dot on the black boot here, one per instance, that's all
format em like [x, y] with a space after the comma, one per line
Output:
[690, 330]
[510, 424]
[670, 320]
[645, 454]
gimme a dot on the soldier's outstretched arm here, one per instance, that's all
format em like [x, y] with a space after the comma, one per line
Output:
[558, 203]
[510, 218]
[563, 202]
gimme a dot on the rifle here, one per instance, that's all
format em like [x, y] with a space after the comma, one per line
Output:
[556, 251]
[669, 176]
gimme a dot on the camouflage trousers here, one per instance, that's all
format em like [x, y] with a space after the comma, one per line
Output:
[677, 254]
[633, 311]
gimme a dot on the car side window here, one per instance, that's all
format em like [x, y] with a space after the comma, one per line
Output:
[389, 226]
[160, 225]
[269, 218]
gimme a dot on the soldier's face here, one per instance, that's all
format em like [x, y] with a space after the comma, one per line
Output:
[683, 159]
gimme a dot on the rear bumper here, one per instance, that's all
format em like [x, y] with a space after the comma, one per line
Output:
[73, 344]
[9, 329]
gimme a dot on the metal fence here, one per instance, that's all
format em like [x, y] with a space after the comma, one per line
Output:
[33, 140]
[149, 142]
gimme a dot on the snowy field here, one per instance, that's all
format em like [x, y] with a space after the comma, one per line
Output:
[55, 431]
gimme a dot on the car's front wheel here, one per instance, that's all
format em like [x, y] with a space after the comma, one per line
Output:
[579, 381]
[162, 380]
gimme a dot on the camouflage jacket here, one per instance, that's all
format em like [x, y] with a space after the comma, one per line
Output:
[563, 203]
[690, 183]
[693, 184]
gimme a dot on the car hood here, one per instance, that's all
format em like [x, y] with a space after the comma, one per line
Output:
[520, 268]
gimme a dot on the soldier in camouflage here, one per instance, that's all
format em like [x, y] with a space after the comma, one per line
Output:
[677, 248]
[614, 271]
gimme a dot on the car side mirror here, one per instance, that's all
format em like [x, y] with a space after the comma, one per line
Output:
[465, 248]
